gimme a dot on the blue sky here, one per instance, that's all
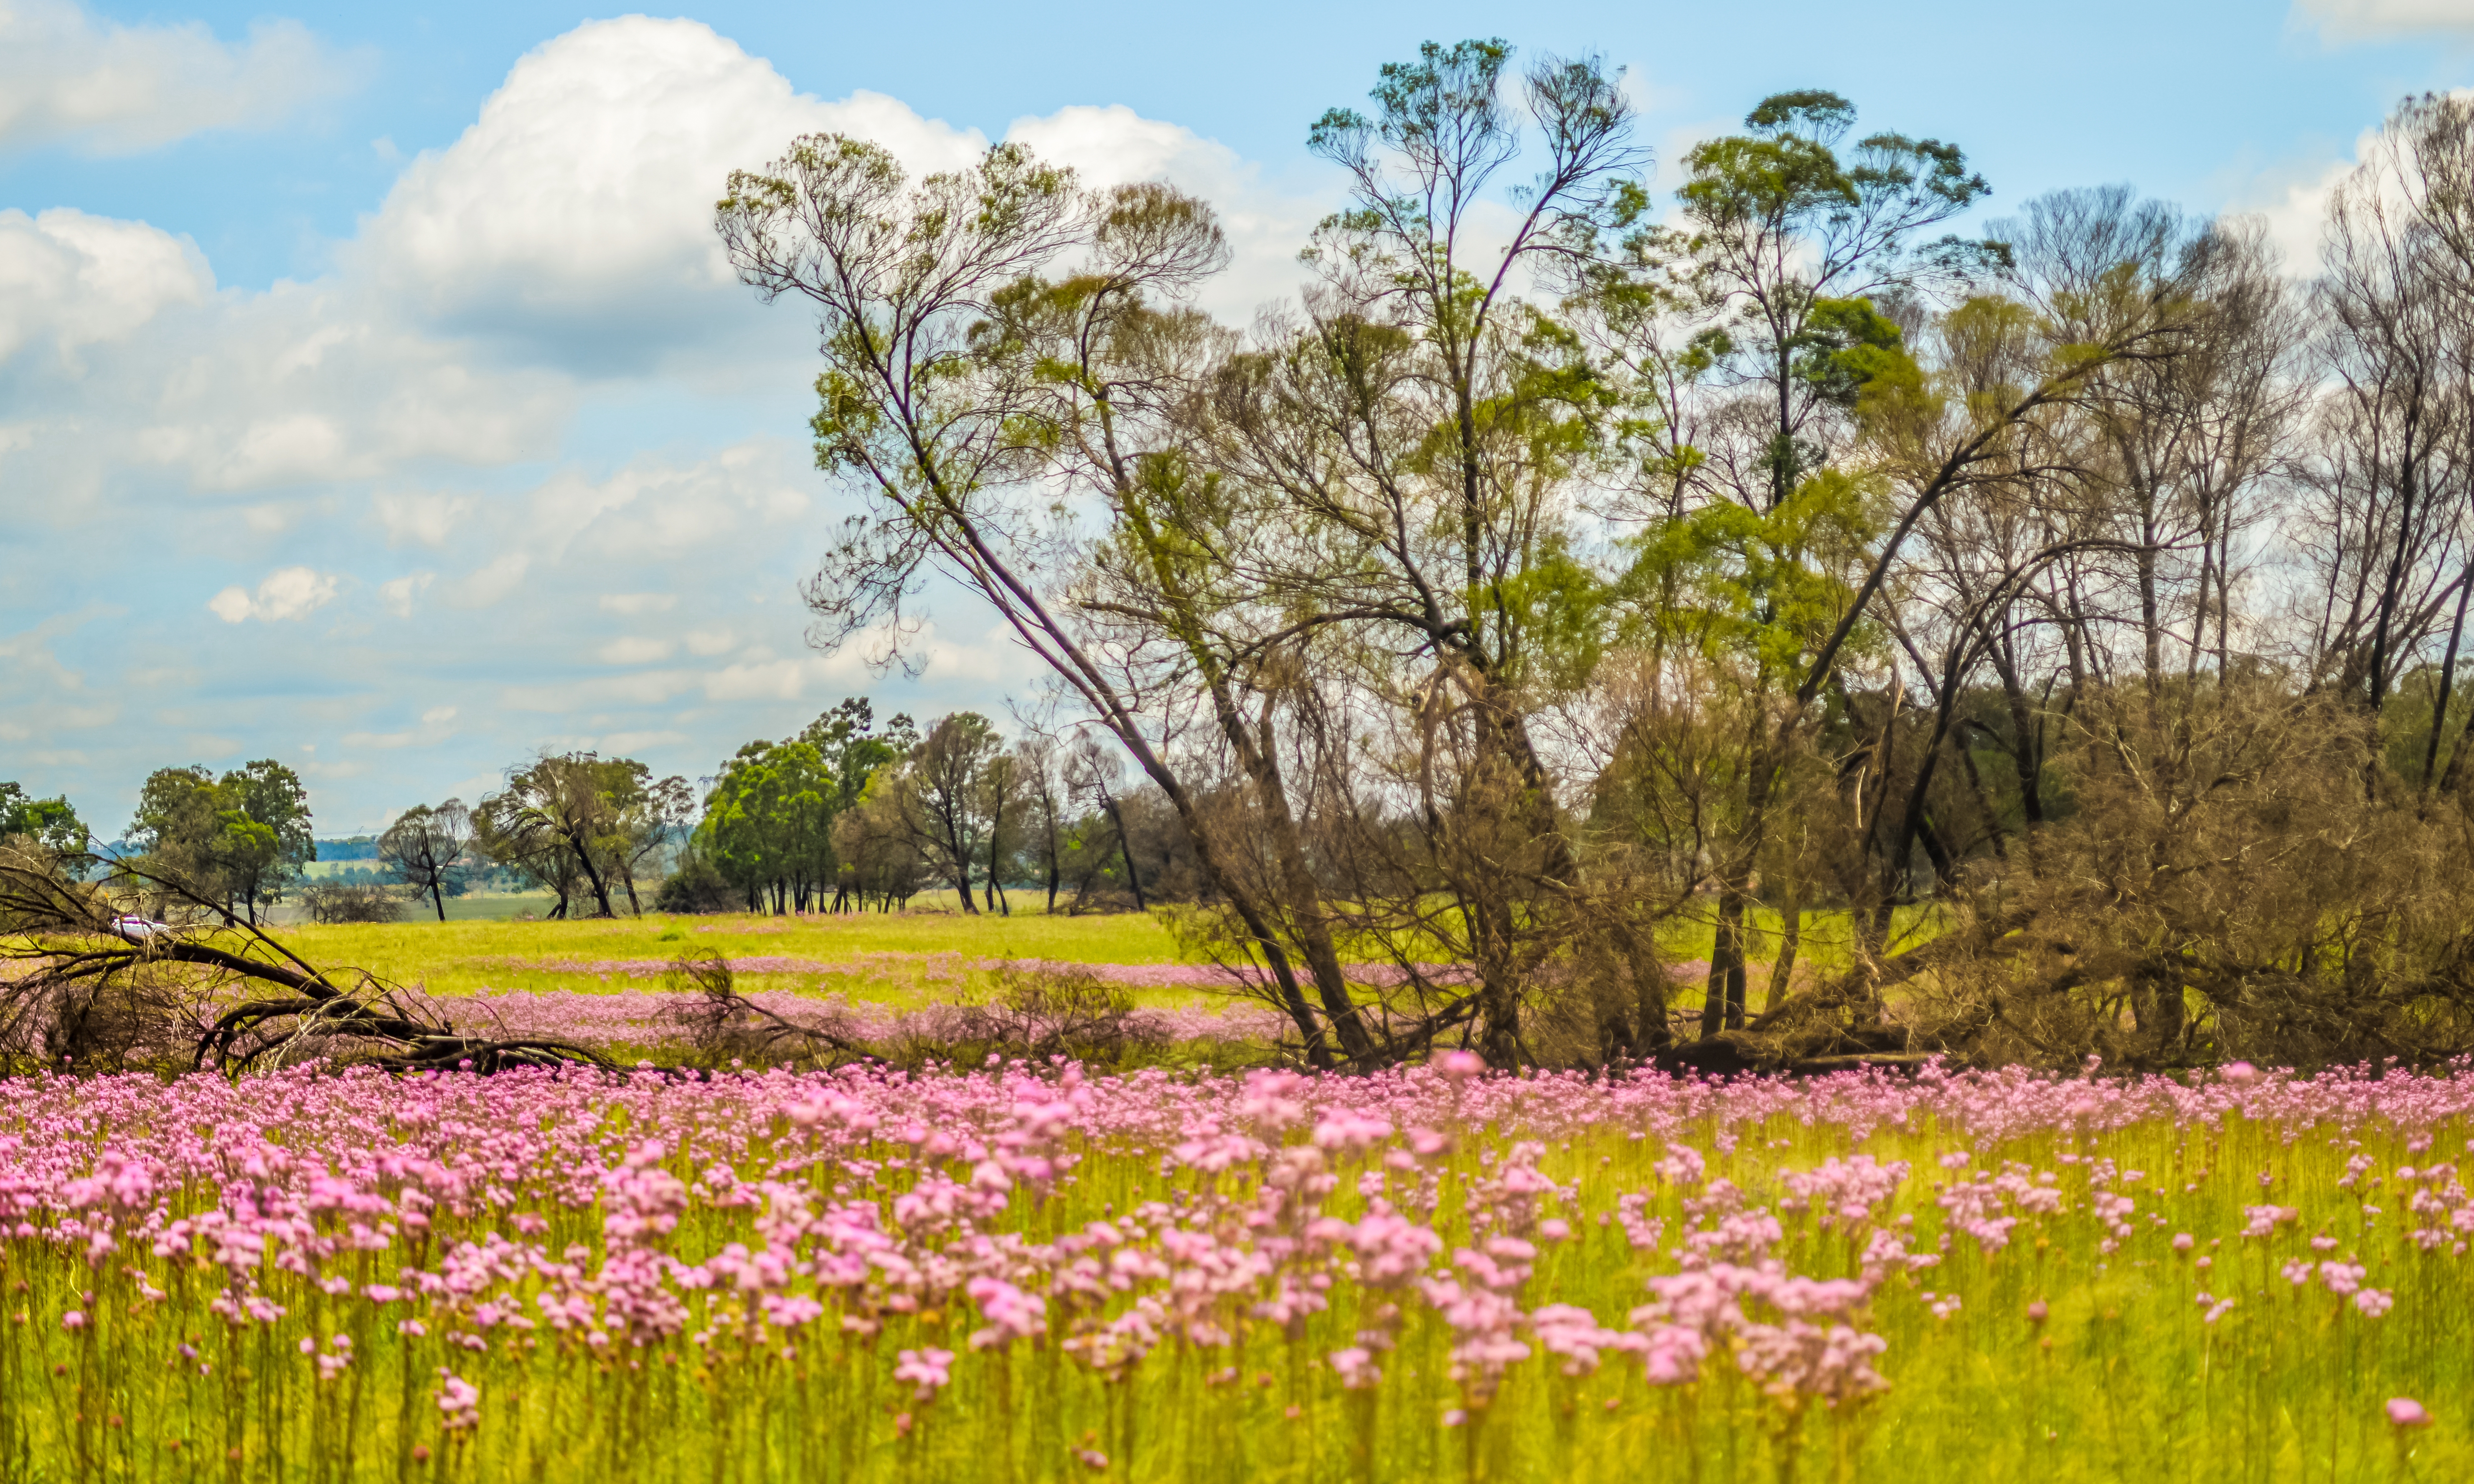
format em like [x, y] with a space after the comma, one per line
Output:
[370, 398]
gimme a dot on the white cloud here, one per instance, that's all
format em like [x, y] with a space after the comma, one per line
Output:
[569, 230]
[2292, 199]
[435, 728]
[635, 603]
[491, 583]
[292, 592]
[317, 383]
[425, 519]
[2364, 19]
[399, 594]
[655, 508]
[992, 662]
[2293, 202]
[635, 650]
[113, 90]
[576, 215]
[577, 211]
[709, 643]
[71, 281]
[1266, 226]
[237, 391]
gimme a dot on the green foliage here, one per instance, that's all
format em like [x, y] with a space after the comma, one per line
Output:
[578, 823]
[1557, 606]
[1764, 590]
[767, 826]
[239, 840]
[1445, 102]
[1791, 237]
[52, 823]
[696, 888]
[1845, 348]
[426, 847]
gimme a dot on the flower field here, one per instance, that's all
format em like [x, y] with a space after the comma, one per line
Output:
[1025, 1273]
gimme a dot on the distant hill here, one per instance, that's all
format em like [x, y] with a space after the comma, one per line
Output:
[350, 847]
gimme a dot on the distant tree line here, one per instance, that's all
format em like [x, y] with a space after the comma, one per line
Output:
[848, 817]
[593, 832]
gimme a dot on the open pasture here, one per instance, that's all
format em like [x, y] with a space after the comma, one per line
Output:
[894, 959]
[609, 983]
[1027, 1274]
[870, 956]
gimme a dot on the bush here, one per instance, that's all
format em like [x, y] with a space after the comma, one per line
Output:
[696, 888]
[330, 904]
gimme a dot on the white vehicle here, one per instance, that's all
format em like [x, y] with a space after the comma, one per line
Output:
[137, 929]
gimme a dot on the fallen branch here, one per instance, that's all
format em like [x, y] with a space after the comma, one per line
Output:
[98, 990]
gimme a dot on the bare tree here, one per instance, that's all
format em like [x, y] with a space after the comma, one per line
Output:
[425, 846]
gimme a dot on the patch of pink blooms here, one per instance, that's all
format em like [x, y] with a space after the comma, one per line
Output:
[950, 967]
[640, 1017]
[1433, 1195]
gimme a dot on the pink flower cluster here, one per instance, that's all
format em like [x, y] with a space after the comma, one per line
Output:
[639, 1017]
[950, 967]
[776, 1212]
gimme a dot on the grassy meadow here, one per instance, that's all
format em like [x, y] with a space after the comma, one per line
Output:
[877, 957]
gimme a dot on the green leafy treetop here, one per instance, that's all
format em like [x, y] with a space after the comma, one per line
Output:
[51, 822]
[238, 840]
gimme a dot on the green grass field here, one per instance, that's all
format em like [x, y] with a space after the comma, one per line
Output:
[467, 954]
[488, 943]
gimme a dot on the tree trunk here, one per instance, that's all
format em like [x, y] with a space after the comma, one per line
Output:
[2447, 680]
[1722, 1006]
[996, 827]
[961, 854]
[1303, 898]
[1790, 937]
[600, 891]
[1124, 849]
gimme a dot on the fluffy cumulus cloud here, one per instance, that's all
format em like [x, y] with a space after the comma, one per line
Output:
[2353, 19]
[565, 238]
[1266, 226]
[69, 280]
[576, 215]
[292, 592]
[577, 211]
[66, 76]
[124, 369]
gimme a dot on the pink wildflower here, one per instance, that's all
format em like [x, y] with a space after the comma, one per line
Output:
[928, 1371]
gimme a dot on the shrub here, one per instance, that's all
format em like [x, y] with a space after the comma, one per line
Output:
[696, 888]
[330, 903]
